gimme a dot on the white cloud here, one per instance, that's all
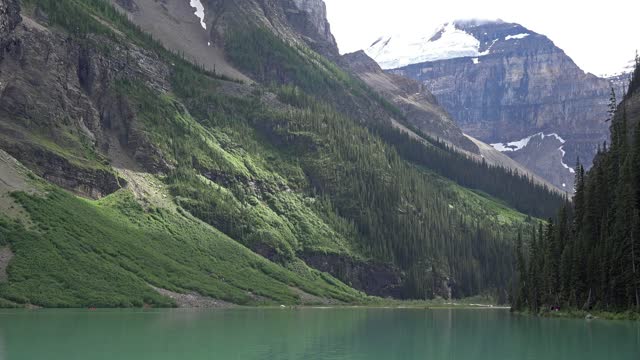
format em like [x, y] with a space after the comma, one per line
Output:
[600, 37]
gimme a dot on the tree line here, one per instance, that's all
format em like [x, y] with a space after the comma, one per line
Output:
[588, 257]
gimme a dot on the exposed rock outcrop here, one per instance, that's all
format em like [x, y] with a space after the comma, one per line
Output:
[9, 18]
[417, 104]
[516, 84]
[309, 18]
[373, 278]
[59, 103]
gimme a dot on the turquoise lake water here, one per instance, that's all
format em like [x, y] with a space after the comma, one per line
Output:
[369, 334]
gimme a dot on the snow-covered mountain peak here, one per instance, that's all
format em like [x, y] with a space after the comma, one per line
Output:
[447, 42]
[456, 39]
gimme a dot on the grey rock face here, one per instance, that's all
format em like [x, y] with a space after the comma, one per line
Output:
[418, 105]
[9, 17]
[310, 20]
[522, 86]
[294, 20]
[58, 89]
[620, 83]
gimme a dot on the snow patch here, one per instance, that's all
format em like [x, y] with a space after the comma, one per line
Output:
[448, 42]
[517, 37]
[486, 52]
[475, 60]
[562, 141]
[571, 170]
[521, 144]
[196, 4]
[515, 145]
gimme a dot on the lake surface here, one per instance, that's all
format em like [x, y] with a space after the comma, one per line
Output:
[369, 334]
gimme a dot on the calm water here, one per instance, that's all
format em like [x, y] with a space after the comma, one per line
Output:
[309, 334]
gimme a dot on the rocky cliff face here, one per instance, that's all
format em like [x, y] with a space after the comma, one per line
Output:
[422, 111]
[417, 104]
[309, 18]
[295, 20]
[201, 37]
[59, 112]
[9, 17]
[512, 83]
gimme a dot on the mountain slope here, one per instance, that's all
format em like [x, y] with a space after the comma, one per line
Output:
[418, 106]
[176, 26]
[301, 166]
[422, 111]
[113, 252]
[298, 22]
[589, 255]
[508, 83]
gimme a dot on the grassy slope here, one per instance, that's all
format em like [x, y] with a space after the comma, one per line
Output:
[106, 253]
[251, 201]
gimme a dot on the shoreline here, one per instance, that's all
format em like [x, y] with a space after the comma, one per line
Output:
[278, 307]
[585, 315]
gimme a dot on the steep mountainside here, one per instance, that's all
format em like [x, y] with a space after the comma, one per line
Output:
[421, 110]
[418, 105]
[588, 258]
[200, 37]
[131, 174]
[504, 83]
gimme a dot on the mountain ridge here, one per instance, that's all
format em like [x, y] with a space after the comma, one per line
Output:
[517, 83]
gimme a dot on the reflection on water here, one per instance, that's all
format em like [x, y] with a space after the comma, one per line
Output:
[3, 354]
[309, 334]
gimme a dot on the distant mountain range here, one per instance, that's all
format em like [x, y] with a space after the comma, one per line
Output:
[504, 83]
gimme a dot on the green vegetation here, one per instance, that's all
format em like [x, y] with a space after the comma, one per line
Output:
[517, 190]
[311, 82]
[225, 185]
[318, 169]
[588, 258]
[400, 213]
[107, 253]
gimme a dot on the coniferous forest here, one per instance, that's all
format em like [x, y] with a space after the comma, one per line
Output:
[588, 257]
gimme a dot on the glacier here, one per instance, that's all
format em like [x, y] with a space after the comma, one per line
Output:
[448, 42]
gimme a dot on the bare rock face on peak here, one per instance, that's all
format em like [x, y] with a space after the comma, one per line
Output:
[60, 114]
[418, 105]
[504, 83]
[201, 36]
[422, 111]
[294, 20]
[309, 17]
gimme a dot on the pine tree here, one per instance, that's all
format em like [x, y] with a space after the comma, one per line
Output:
[589, 254]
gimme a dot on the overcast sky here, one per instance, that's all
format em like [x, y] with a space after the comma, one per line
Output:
[600, 36]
